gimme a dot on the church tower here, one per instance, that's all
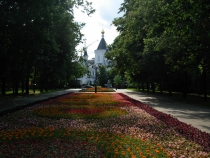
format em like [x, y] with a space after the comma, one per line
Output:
[99, 59]
[101, 50]
[85, 54]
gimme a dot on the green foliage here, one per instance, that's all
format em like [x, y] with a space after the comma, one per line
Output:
[103, 78]
[118, 80]
[162, 42]
[99, 89]
[38, 41]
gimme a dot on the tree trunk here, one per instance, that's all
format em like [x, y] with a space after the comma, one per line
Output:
[41, 86]
[142, 84]
[147, 87]
[169, 84]
[185, 85]
[161, 88]
[204, 85]
[22, 86]
[34, 80]
[201, 85]
[3, 85]
[169, 89]
[13, 88]
[153, 87]
[27, 84]
[16, 88]
[139, 86]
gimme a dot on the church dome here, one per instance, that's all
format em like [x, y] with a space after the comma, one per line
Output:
[102, 44]
[102, 31]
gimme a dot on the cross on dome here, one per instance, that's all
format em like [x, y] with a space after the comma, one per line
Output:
[102, 32]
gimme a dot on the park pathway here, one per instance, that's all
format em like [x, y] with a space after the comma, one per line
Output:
[8, 104]
[194, 115]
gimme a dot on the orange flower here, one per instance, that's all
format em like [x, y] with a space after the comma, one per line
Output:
[157, 151]
[123, 153]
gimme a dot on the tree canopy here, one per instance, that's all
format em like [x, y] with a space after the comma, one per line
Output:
[38, 41]
[164, 42]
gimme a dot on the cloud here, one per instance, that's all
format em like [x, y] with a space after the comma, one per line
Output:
[109, 10]
[106, 11]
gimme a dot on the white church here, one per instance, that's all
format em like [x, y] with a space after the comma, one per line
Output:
[93, 64]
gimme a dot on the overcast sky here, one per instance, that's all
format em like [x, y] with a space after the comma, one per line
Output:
[106, 11]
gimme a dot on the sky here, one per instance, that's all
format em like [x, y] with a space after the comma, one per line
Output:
[106, 11]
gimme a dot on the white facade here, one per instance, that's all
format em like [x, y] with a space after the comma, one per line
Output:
[99, 57]
[89, 79]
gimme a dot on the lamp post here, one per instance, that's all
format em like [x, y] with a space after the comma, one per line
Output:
[95, 67]
[89, 78]
[96, 79]
[75, 81]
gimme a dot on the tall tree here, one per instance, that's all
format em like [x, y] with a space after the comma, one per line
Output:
[103, 77]
[38, 40]
[163, 42]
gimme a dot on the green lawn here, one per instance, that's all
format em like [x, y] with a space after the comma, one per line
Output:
[10, 95]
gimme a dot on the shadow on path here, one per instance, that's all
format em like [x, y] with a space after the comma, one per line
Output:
[191, 114]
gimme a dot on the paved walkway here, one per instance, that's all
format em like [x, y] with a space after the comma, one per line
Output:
[190, 114]
[13, 103]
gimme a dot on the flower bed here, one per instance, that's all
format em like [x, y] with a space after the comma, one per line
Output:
[78, 112]
[135, 130]
[99, 89]
[189, 132]
[51, 142]
[84, 99]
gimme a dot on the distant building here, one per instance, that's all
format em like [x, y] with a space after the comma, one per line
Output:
[99, 59]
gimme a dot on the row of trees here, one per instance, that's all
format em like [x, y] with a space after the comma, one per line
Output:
[110, 77]
[164, 42]
[38, 41]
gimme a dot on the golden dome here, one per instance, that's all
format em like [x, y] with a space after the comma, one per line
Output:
[102, 31]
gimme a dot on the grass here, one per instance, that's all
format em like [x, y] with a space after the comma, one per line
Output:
[31, 91]
[117, 127]
[10, 95]
[191, 98]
